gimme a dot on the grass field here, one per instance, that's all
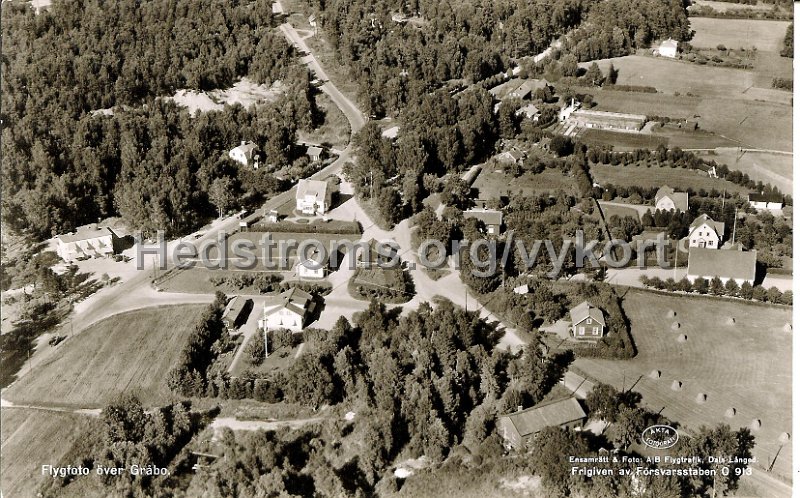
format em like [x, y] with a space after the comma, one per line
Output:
[738, 33]
[131, 352]
[492, 184]
[335, 129]
[726, 6]
[768, 168]
[30, 439]
[620, 140]
[610, 210]
[677, 178]
[746, 366]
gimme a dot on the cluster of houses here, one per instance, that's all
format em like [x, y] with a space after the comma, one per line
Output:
[247, 154]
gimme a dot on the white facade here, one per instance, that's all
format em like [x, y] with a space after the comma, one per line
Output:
[313, 197]
[85, 243]
[704, 236]
[310, 269]
[245, 154]
[665, 204]
[668, 48]
[283, 318]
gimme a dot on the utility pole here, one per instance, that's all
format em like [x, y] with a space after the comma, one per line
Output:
[266, 346]
[735, 218]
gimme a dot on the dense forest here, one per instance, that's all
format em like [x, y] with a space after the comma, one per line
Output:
[64, 165]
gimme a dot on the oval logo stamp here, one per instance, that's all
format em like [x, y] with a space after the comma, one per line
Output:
[660, 437]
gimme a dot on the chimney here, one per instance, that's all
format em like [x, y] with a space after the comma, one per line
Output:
[519, 408]
[244, 142]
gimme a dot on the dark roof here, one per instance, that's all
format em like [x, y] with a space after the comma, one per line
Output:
[723, 263]
[293, 299]
[234, 308]
[85, 233]
[718, 226]
[584, 310]
[556, 413]
[762, 197]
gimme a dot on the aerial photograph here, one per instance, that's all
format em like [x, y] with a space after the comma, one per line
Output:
[396, 248]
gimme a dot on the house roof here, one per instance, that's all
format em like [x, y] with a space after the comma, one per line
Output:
[511, 154]
[529, 110]
[235, 307]
[487, 216]
[85, 233]
[247, 148]
[391, 132]
[313, 188]
[718, 226]
[669, 43]
[585, 310]
[680, 199]
[762, 197]
[314, 150]
[293, 299]
[730, 263]
[556, 413]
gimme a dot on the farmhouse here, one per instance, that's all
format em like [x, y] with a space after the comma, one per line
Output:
[491, 219]
[235, 312]
[245, 154]
[519, 428]
[765, 201]
[530, 111]
[668, 48]
[313, 196]
[705, 232]
[86, 242]
[668, 200]
[609, 120]
[587, 322]
[314, 153]
[510, 157]
[729, 264]
[290, 311]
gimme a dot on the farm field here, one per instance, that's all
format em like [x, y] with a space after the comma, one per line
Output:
[677, 178]
[621, 140]
[736, 33]
[726, 6]
[610, 210]
[760, 166]
[746, 366]
[130, 352]
[494, 184]
[691, 139]
[30, 439]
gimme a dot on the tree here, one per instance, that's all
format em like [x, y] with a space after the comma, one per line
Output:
[594, 75]
[549, 461]
[746, 291]
[630, 423]
[603, 402]
[125, 419]
[222, 195]
[731, 288]
[715, 287]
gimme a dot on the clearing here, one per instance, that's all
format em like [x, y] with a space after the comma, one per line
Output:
[677, 178]
[130, 352]
[738, 33]
[493, 184]
[245, 92]
[32, 438]
[746, 365]
[760, 166]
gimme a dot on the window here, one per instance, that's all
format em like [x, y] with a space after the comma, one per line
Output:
[596, 331]
[589, 321]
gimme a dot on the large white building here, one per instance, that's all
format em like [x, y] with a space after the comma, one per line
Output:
[313, 196]
[86, 242]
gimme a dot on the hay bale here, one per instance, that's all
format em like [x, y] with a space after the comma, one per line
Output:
[676, 325]
[787, 327]
[676, 385]
[730, 321]
[784, 438]
[730, 412]
[700, 398]
[683, 338]
[655, 374]
[671, 314]
[755, 424]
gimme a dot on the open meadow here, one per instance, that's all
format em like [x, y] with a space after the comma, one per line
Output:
[131, 352]
[494, 184]
[738, 33]
[32, 438]
[677, 178]
[775, 169]
[745, 365]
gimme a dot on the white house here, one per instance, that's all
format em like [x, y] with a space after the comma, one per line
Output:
[530, 111]
[763, 202]
[492, 219]
[668, 48]
[313, 196]
[314, 153]
[511, 157]
[245, 154]
[727, 264]
[668, 200]
[87, 242]
[705, 232]
[290, 311]
[311, 267]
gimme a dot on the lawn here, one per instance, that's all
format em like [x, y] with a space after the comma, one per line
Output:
[610, 210]
[130, 352]
[746, 365]
[677, 178]
[32, 438]
[492, 184]
[621, 141]
[279, 359]
[738, 33]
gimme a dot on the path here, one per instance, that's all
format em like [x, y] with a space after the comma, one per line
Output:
[6, 405]
[258, 425]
